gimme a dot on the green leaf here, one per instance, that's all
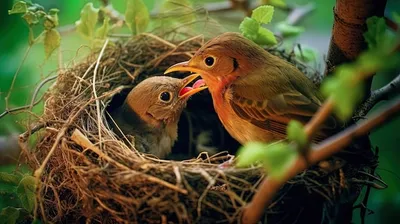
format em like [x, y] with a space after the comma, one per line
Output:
[346, 90]
[289, 30]
[296, 133]
[306, 54]
[137, 16]
[101, 32]
[18, 7]
[52, 40]
[265, 37]
[249, 28]
[9, 178]
[9, 215]
[276, 158]
[26, 192]
[263, 14]
[51, 20]
[31, 18]
[375, 36]
[8, 183]
[89, 15]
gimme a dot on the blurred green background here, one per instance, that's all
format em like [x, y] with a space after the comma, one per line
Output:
[14, 44]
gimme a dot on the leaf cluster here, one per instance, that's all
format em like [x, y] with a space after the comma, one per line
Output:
[35, 15]
[251, 27]
[23, 188]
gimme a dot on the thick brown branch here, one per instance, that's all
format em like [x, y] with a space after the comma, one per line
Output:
[347, 40]
[254, 210]
[384, 93]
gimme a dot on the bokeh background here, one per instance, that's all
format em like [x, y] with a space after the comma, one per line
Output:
[385, 204]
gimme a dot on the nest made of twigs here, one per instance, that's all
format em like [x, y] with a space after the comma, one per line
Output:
[87, 173]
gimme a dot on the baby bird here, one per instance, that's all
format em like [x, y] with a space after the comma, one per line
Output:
[151, 111]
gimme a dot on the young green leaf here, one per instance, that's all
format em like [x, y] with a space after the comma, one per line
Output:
[9, 215]
[289, 30]
[101, 32]
[376, 34]
[265, 37]
[276, 158]
[26, 192]
[137, 16]
[89, 15]
[52, 40]
[31, 18]
[346, 91]
[9, 178]
[263, 14]
[18, 7]
[249, 28]
[296, 133]
[51, 20]
[8, 183]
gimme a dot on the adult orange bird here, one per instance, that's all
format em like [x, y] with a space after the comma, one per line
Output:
[254, 92]
[151, 111]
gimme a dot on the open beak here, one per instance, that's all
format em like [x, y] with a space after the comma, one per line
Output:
[182, 67]
[187, 91]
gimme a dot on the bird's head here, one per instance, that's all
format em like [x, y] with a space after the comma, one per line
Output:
[223, 59]
[160, 99]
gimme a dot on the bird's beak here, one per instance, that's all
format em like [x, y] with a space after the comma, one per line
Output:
[187, 91]
[183, 67]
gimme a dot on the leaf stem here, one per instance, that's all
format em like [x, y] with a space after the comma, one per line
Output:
[15, 76]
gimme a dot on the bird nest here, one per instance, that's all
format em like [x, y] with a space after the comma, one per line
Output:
[88, 174]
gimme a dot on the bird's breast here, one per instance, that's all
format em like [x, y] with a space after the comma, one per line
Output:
[240, 129]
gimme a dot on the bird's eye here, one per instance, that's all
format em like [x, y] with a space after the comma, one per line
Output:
[165, 96]
[209, 61]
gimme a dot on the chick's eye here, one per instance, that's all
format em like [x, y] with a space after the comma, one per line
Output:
[165, 96]
[209, 61]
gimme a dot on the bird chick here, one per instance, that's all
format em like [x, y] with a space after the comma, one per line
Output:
[151, 111]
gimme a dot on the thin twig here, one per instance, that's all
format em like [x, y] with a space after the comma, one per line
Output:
[253, 211]
[99, 120]
[15, 76]
[384, 93]
[33, 103]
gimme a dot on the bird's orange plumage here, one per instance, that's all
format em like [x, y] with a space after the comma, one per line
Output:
[254, 92]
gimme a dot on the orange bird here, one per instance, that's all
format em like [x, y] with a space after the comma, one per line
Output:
[151, 111]
[254, 92]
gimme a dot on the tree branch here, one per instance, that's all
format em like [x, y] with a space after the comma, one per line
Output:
[254, 210]
[347, 40]
[384, 93]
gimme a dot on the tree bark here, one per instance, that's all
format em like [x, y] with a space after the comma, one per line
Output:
[347, 40]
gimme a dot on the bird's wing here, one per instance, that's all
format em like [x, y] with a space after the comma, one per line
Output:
[270, 109]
